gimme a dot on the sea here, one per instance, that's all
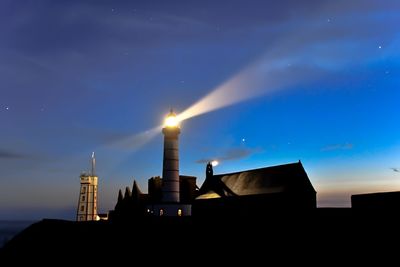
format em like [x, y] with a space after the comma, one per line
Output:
[8, 229]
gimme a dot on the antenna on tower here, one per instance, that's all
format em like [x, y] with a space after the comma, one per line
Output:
[93, 173]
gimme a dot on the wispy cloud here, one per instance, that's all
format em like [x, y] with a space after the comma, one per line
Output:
[395, 169]
[231, 154]
[7, 154]
[346, 146]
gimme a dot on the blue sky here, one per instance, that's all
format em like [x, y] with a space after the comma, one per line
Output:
[318, 83]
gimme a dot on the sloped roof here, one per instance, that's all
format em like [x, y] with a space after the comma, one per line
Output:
[282, 178]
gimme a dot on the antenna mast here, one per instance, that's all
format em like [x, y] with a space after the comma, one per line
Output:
[93, 173]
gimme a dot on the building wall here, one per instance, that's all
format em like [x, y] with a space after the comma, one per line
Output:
[154, 187]
[187, 192]
[188, 189]
[169, 209]
[253, 205]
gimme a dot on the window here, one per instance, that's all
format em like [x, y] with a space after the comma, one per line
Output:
[83, 198]
[82, 208]
[161, 212]
[179, 212]
[84, 189]
[81, 218]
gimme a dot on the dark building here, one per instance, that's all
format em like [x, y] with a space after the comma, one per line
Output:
[134, 203]
[381, 200]
[187, 193]
[251, 192]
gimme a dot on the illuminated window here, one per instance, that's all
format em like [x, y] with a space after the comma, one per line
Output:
[179, 212]
[83, 198]
[161, 212]
[82, 208]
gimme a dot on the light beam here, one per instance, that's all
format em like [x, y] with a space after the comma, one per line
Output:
[260, 78]
[136, 141]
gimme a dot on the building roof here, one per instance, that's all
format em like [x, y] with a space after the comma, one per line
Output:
[135, 189]
[276, 179]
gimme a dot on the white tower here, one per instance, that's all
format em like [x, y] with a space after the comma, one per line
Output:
[87, 204]
[170, 177]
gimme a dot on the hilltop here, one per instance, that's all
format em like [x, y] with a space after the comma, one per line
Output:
[321, 232]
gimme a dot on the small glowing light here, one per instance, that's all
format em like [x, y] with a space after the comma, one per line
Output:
[243, 140]
[214, 163]
[380, 47]
[7, 108]
[171, 120]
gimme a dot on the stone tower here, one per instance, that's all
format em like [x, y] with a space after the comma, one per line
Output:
[87, 204]
[170, 173]
[169, 202]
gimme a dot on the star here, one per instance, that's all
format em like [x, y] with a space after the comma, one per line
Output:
[7, 108]
[328, 20]
[243, 140]
[112, 9]
[380, 47]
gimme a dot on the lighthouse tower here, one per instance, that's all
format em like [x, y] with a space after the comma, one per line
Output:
[170, 173]
[170, 204]
[87, 204]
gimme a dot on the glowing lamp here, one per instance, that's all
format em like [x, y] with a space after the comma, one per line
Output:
[171, 120]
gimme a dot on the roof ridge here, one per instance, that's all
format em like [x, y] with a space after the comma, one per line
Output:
[262, 168]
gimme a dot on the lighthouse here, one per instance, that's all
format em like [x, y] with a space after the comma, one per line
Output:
[171, 203]
[87, 203]
[170, 172]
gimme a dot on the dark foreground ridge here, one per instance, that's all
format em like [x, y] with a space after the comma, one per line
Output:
[334, 233]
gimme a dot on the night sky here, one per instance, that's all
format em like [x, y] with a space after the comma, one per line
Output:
[316, 81]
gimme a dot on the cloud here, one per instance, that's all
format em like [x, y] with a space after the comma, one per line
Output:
[395, 169]
[346, 146]
[231, 154]
[6, 154]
